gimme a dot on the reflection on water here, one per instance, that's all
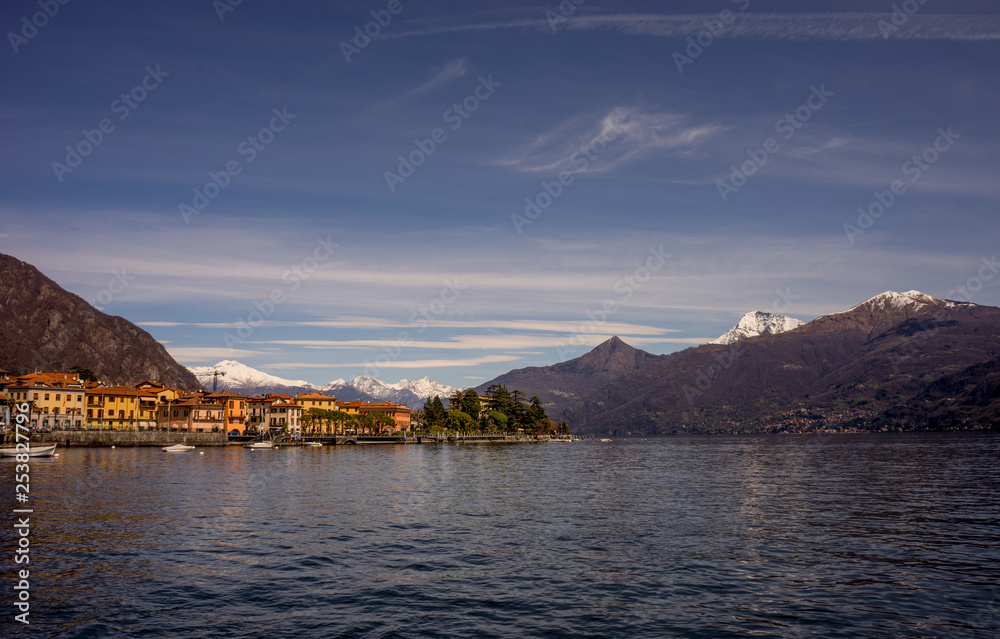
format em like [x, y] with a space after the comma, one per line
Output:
[795, 536]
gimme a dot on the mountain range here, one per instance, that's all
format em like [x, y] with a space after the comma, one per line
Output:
[240, 378]
[897, 360]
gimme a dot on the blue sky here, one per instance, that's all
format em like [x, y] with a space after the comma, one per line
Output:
[573, 179]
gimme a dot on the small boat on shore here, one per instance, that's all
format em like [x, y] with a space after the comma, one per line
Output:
[33, 451]
[177, 448]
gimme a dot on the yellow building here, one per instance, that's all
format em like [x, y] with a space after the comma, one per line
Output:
[57, 399]
[318, 401]
[126, 407]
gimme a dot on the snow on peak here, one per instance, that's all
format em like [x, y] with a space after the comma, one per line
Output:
[422, 388]
[241, 375]
[913, 300]
[757, 323]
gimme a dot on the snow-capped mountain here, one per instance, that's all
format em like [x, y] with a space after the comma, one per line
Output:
[910, 300]
[402, 392]
[757, 323]
[240, 378]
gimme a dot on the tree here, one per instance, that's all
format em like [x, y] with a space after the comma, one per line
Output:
[312, 417]
[363, 423]
[434, 412]
[85, 374]
[495, 421]
[383, 421]
[455, 400]
[460, 422]
[537, 419]
[471, 404]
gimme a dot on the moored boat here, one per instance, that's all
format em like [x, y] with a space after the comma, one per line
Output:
[177, 448]
[259, 444]
[32, 451]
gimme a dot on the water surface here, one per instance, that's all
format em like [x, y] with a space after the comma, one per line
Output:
[764, 536]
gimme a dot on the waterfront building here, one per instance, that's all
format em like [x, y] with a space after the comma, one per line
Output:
[315, 402]
[351, 408]
[121, 408]
[274, 411]
[191, 413]
[398, 412]
[235, 410]
[56, 399]
[132, 407]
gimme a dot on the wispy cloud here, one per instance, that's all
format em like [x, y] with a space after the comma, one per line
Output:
[555, 326]
[601, 144]
[508, 342]
[795, 27]
[451, 71]
[192, 354]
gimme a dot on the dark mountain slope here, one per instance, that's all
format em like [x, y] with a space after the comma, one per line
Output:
[44, 327]
[561, 384]
[865, 360]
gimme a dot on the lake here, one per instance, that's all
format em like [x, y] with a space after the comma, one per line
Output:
[887, 535]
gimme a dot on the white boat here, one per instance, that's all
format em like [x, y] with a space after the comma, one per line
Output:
[259, 444]
[605, 440]
[33, 451]
[313, 444]
[565, 440]
[177, 448]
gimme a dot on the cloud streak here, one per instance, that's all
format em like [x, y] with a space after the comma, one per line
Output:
[792, 27]
[452, 71]
[602, 144]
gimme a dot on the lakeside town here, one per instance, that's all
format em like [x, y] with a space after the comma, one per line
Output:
[78, 401]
